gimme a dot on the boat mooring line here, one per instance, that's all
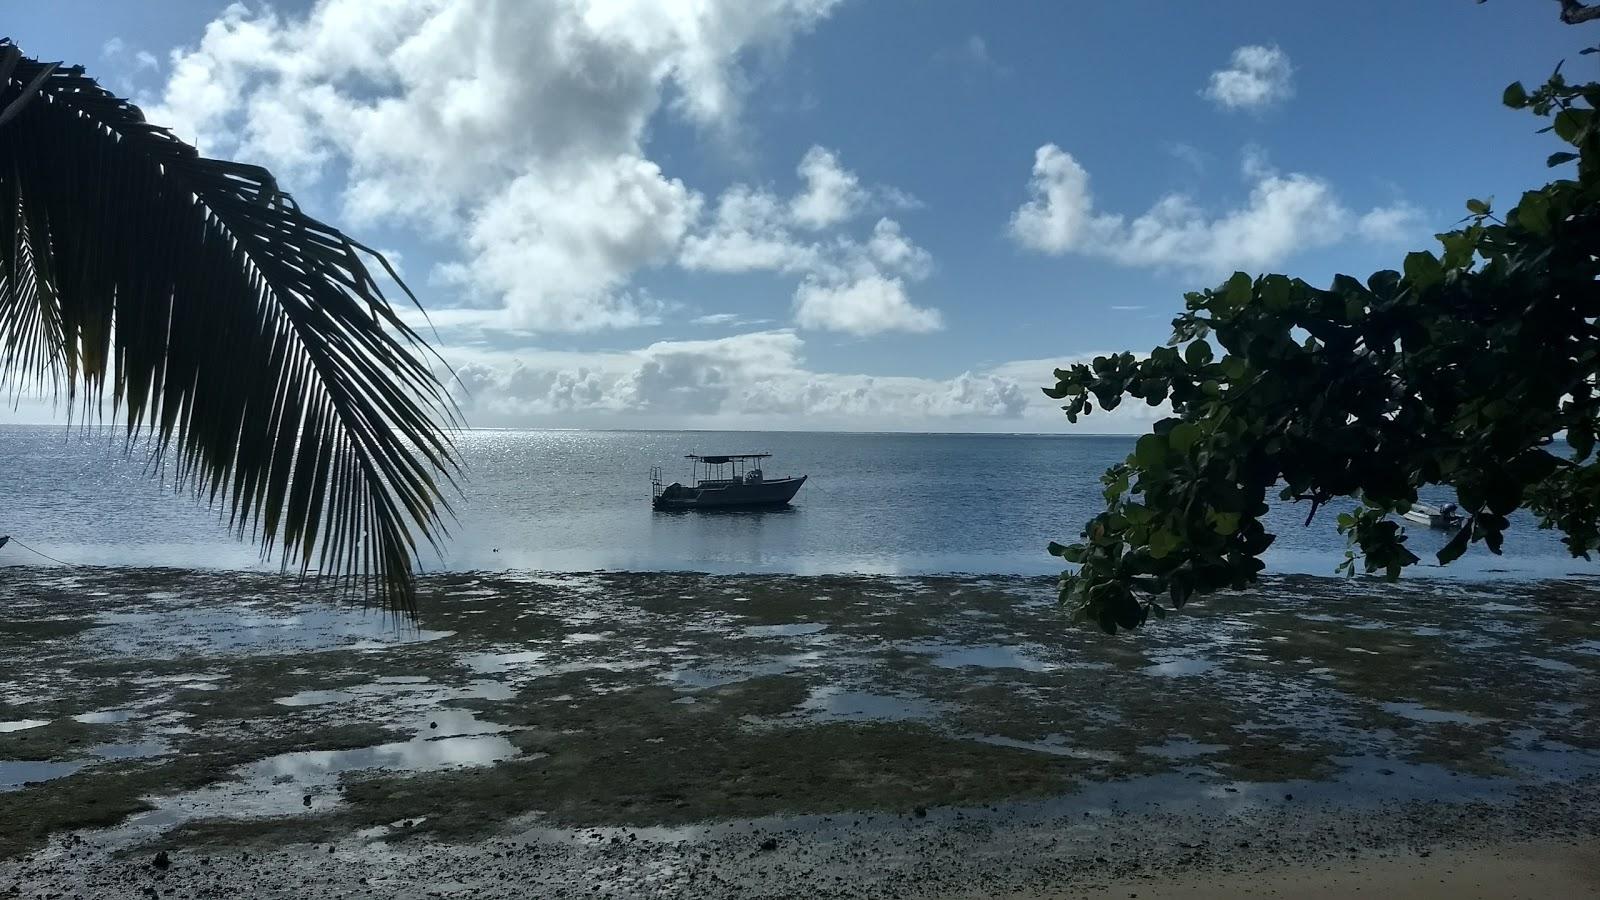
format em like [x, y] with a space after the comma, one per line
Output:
[6, 538]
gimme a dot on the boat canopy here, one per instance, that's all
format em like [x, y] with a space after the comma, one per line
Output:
[726, 458]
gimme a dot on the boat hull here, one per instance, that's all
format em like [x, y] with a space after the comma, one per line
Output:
[1432, 520]
[733, 495]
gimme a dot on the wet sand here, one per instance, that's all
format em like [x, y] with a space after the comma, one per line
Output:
[1494, 872]
[676, 734]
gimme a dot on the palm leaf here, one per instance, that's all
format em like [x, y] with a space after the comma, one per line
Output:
[244, 340]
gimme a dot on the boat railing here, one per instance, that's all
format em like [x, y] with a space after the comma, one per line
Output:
[655, 482]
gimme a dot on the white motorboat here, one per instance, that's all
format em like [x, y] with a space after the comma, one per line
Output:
[732, 481]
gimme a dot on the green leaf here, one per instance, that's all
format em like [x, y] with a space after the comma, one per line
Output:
[1515, 96]
[1225, 524]
[1183, 436]
[1456, 546]
[1277, 292]
[1557, 159]
[1197, 353]
[1238, 290]
[246, 343]
[1151, 451]
[1423, 269]
[1478, 207]
[1533, 213]
[1162, 543]
[1570, 124]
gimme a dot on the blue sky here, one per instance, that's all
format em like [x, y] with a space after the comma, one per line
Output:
[867, 214]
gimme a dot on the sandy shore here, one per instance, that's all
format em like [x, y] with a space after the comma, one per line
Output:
[1531, 871]
[685, 735]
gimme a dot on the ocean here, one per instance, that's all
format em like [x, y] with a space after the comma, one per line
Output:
[573, 501]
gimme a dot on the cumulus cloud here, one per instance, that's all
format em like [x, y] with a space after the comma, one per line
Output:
[1257, 77]
[857, 286]
[832, 194]
[753, 379]
[1284, 214]
[867, 305]
[558, 253]
[515, 129]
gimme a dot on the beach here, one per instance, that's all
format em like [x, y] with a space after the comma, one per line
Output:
[681, 734]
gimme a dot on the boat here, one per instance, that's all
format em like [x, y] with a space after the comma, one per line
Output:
[731, 481]
[1442, 517]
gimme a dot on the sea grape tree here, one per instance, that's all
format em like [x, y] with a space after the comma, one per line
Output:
[1465, 368]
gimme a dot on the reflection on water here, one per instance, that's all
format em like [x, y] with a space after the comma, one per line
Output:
[1419, 713]
[22, 724]
[102, 717]
[790, 630]
[198, 631]
[984, 656]
[16, 773]
[1183, 666]
[1055, 745]
[579, 501]
[490, 663]
[835, 703]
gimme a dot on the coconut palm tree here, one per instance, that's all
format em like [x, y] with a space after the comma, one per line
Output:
[244, 342]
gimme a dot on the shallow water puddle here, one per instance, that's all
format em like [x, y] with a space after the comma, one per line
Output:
[1419, 713]
[417, 690]
[835, 703]
[22, 724]
[982, 656]
[102, 717]
[1181, 667]
[1055, 745]
[794, 629]
[491, 663]
[16, 773]
[292, 783]
[195, 630]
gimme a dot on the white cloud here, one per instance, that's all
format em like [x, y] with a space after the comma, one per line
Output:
[726, 320]
[1390, 224]
[1284, 214]
[513, 129]
[749, 232]
[1257, 77]
[1060, 217]
[113, 47]
[558, 252]
[894, 251]
[848, 285]
[868, 305]
[746, 380]
[832, 194]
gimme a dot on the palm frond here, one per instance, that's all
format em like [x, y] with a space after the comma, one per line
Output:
[236, 333]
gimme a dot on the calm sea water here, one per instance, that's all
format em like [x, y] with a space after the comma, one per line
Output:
[579, 500]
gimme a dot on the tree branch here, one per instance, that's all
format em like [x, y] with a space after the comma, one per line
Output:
[1574, 12]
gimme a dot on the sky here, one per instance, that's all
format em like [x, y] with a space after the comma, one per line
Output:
[833, 214]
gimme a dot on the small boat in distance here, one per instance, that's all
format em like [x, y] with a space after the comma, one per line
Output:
[1442, 517]
[731, 481]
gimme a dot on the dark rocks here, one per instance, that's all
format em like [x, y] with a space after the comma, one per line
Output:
[769, 845]
[162, 860]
